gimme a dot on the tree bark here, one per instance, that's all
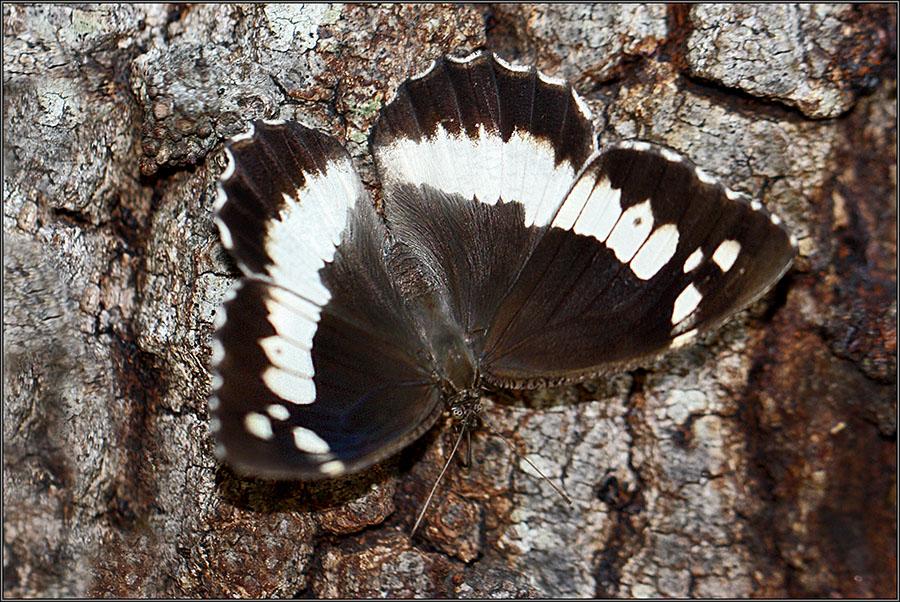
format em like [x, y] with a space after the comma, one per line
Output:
[760, 462]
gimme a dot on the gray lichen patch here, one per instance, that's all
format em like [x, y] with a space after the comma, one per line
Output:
[587, 43]
[573, 445]
[196, 93]
[296, 27]
[61, 156]
[792, 53]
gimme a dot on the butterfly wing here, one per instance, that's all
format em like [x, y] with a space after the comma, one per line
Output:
[317, 368]
[645, 251]
[473, 156]
[510, 245]
[560, 263]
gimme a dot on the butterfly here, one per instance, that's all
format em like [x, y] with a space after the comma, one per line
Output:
[511, 252]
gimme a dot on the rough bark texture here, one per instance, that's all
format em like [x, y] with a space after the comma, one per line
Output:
[760, 462]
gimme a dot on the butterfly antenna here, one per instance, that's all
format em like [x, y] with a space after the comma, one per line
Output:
[468, 448]
[437, 482]
[530, 463]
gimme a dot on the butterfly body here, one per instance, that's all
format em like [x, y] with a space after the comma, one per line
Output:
[511, 252]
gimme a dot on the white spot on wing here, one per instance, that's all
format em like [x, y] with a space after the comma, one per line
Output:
[693, 260]
[601, 211]
[259, 426]
[686, 303]
[456, 154]
[246, 135]
[573, 205]
[511, 67]
[704, 177]
[631, 231]
[523, 169]
[224, 234]
[278, 411]
[775, 219]
[656, 252]
[638, 145]
[726, 254]
[287, 356]
[302, 240]
[755, 205]
[468, 59]
[309, 442]
[684, 339]
[332, 467]
[218, 322]
[582, 106]
[552, 81]
[215, 425]
[221, 197]
[293, 318]
[289, 386]
[218, 351]
[214, 404]
[424, 73]
[518, 180]
[454, 164]
[670, 155]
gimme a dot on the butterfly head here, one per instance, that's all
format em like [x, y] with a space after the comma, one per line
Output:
[466, 408]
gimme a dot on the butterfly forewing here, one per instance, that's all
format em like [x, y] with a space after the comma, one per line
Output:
[644, 251]
[320, 371]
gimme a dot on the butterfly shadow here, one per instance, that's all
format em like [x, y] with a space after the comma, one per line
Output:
[273, 496]
[546, 398]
